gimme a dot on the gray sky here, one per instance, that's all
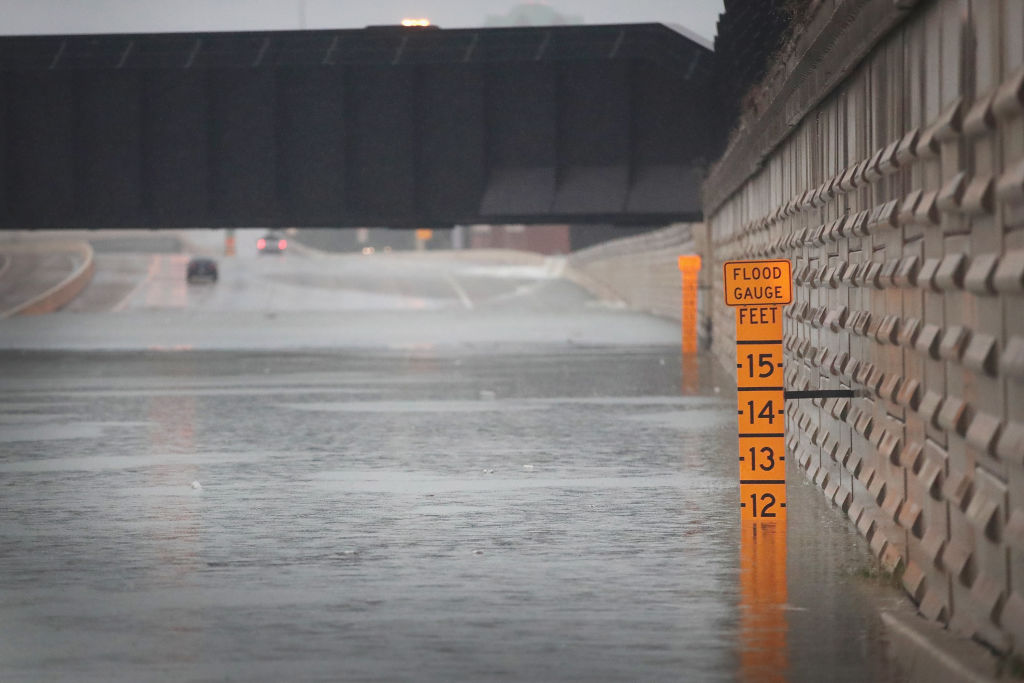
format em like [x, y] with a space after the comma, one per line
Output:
[119, 16]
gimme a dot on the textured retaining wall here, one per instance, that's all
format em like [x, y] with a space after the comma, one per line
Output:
[886, 159]
[642, 270]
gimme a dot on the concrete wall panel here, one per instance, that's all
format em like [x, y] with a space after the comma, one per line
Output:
[312, 154]
[109, 147]
[41, 116]
[177, 148]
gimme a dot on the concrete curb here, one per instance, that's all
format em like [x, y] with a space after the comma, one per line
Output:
[62, 293]
[928, 653]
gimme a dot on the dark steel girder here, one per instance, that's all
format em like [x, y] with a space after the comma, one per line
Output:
[375, 127]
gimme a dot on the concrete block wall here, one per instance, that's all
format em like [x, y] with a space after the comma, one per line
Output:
[887, 162]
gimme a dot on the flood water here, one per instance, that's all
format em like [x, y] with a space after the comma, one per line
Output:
[562, 515]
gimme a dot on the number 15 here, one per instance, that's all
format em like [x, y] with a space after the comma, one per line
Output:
[764, 360]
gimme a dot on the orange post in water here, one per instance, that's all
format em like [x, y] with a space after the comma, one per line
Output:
[689, 267]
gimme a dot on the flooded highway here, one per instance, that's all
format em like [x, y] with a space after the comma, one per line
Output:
[541, 511]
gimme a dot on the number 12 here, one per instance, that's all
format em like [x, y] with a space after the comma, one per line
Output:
[769, 502]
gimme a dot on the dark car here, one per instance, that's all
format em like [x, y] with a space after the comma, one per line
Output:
[272, 243]
[200, 268]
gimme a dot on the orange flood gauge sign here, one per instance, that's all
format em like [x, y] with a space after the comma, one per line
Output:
[758, 290]
[767, 283]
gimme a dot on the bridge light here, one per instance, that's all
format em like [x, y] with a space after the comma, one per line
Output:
[416, 22]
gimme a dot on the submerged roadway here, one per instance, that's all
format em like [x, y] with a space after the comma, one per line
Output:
[430, 467]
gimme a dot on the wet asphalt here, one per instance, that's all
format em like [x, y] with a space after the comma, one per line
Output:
[552, 514]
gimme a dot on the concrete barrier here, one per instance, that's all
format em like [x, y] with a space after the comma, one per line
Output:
[642, 271]
[62, 293]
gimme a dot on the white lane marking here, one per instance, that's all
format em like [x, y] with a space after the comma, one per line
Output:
[123, 303]
[5, 263]
[463, 296]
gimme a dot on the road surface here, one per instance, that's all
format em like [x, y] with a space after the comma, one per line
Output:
[304, 300]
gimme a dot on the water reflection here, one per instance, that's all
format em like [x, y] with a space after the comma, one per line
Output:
[336, 544]
[176, 538]
[690, 374]
[172, 430]
[763, 647]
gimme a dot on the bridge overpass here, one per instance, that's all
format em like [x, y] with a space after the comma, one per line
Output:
[387, 126]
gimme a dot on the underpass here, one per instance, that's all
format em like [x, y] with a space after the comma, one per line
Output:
[890, 180]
